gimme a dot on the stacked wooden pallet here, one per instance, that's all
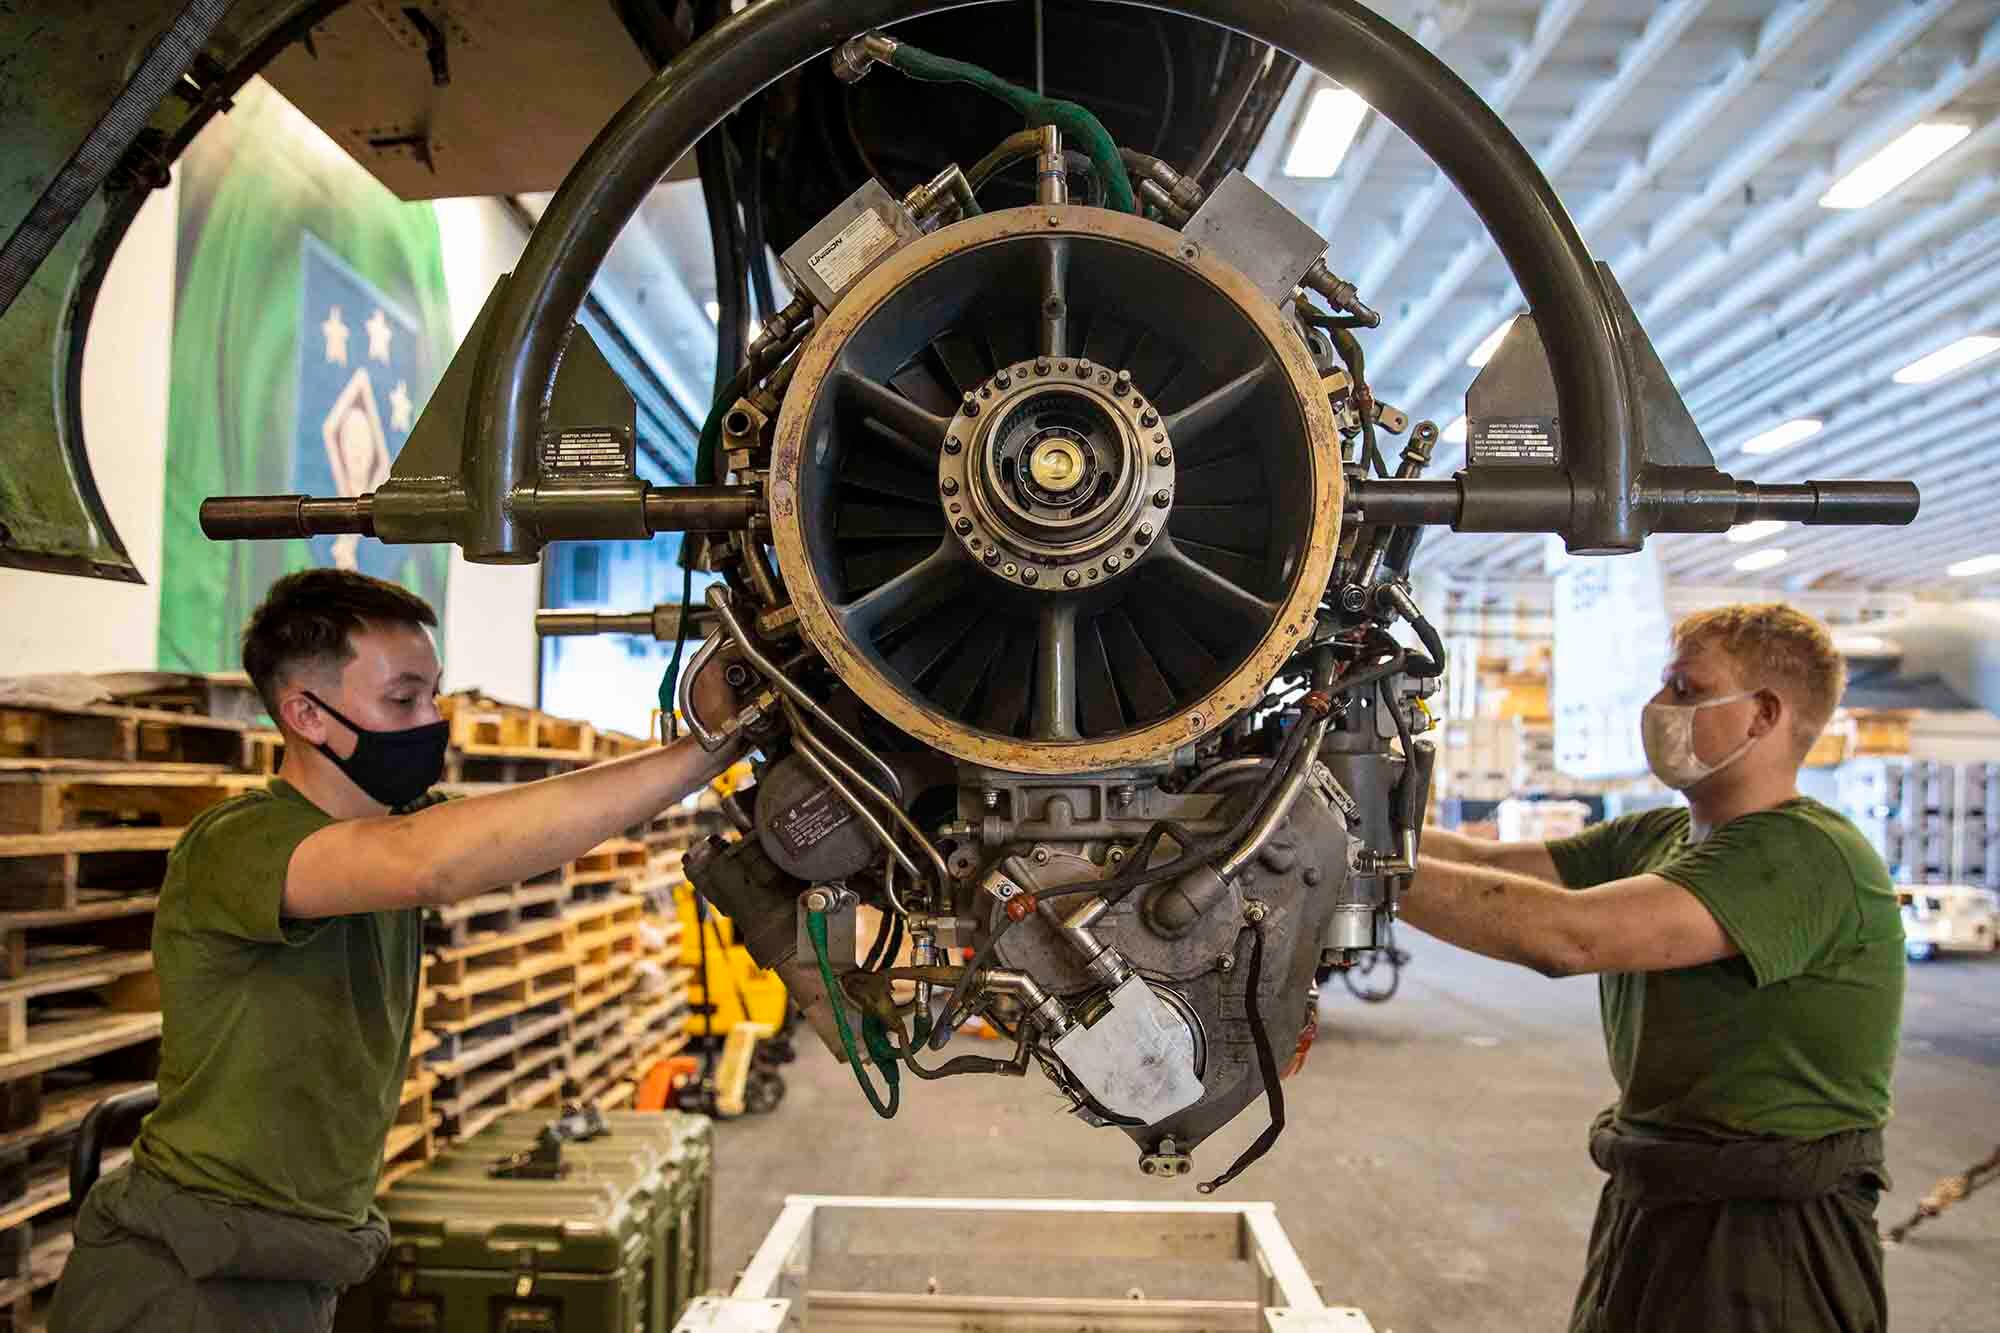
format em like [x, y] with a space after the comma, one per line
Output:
[93, 798]
[91, 801]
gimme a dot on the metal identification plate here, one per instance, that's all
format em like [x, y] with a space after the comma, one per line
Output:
[1514, 441]
[805, 822]
[587, 457]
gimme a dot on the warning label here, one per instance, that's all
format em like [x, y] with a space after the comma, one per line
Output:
[599, 453]
[1513, 440]
[847, 256]
[805, 822]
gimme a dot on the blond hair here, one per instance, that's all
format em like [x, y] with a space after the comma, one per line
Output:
[1778, 648]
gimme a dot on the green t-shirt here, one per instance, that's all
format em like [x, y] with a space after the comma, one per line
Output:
[285, 1042]
[1795, 1037]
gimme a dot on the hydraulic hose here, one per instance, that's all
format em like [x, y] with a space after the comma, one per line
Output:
[1075, 121]
[879, 1049]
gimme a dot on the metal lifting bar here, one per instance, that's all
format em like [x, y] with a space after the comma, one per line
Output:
[1606, 496]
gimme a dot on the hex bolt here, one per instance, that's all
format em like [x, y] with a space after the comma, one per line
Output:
[1031, 575]
[1003, 380]
[1145, 533]
[971, 404]
[1041, 365]
[1072, 577]
[951, 445]
[1122, 384]
[819, 900]
[1254, 910]
[1149, 418]
[990, 798]
[1083, 368]
[963, 526]
[992, 555]
[1041, 856]
[737, 675]
[949, 486]
[1163, 455]
[1111, 564]
[1161, 498]
[1226, 963]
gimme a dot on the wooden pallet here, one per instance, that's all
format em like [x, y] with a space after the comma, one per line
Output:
[62, 872]
[482, 726]
[123, 976]
[613, 862]
[116, 920]
[550, 1026]
[46, 1260]
[48, 1186]
[57, 802]
[67, 1037]
[263, 752]
[618, 744]
[127, 735]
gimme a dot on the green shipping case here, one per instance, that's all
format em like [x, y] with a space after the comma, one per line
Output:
[618, 1244]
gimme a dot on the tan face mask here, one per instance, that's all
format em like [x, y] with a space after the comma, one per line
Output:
[1668, 732]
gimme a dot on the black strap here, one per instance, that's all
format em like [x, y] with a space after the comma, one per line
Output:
[1267, 1065]
[105, 146]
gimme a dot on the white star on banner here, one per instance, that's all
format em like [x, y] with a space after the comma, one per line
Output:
[399, 406]
[336, 336]
[379, 334]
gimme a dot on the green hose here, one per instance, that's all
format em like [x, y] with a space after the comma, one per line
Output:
[1073, 120]
[871, 1028]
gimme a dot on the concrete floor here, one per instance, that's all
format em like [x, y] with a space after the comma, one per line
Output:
[1433, 1171]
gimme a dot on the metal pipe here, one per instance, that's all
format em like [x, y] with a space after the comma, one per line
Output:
[1281, 801]
[892, 805]
[683, 695]
[816, 759]
[663, 622]
[1542, 500]
[1051, 169]
[700, 508]
[1047, 1011]
[723, 604]
[552, 624]
[253, 517]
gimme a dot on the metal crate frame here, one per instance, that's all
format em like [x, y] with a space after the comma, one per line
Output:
[774, 1294]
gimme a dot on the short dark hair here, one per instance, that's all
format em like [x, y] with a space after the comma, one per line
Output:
[307, 619]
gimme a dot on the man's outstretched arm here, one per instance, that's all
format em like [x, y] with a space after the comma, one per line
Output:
[461, 848]
[1522, 858]
[1640, 924]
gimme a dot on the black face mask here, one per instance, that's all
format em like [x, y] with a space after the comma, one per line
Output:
[394, 768]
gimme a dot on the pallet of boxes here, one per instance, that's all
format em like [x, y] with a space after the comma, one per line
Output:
[98, 778]
[541, 1005]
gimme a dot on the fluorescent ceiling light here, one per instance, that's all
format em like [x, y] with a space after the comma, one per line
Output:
[1979, 564]
[1756, 532]
[1893, 163]
[1783, 437]
[1948, 359]
[714, 309]
[1865, 645]
[1764, 559]
[1484, 352]
[1325, 132]
[1456, 431]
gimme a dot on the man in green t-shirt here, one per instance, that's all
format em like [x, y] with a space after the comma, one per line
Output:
[287, 944]
[1749, 954]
